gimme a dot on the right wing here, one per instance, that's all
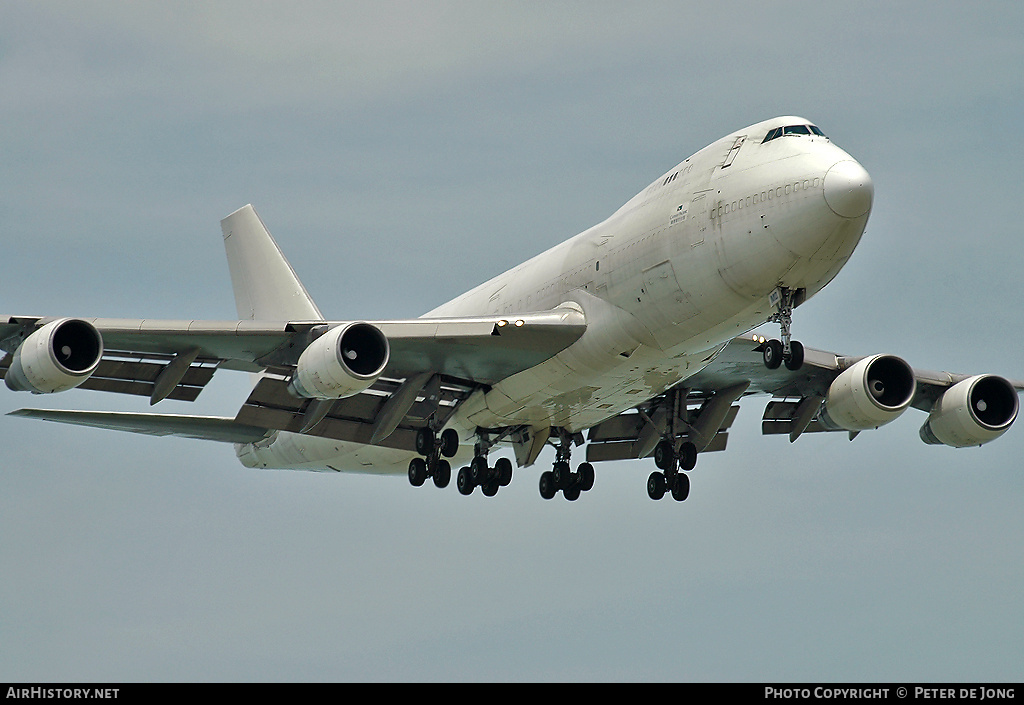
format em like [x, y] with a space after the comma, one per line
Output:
[829, 392]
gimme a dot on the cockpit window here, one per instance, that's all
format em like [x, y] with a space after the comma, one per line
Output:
[792, 130]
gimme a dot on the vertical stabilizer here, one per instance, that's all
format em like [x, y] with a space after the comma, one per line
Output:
[266, 287]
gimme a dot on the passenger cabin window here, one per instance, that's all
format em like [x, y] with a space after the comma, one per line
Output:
[792, 130]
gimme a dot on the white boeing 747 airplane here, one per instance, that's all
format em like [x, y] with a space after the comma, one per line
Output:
[630, 338]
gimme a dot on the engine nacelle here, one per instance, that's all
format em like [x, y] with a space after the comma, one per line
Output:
[343, 361]
[57, 357]
[869, 394]
[972, 412]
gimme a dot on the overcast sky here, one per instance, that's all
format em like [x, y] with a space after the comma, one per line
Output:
[402, 153]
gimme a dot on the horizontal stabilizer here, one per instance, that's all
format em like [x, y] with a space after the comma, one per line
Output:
[207, 428]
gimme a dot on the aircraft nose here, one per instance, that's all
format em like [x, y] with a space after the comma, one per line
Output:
[848, 189]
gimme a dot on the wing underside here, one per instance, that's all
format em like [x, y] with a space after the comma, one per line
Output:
[208, 428]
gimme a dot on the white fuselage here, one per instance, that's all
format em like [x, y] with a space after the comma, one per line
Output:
[664, 283]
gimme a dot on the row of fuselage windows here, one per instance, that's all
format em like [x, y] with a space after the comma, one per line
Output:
[794, 130]
[764, 197]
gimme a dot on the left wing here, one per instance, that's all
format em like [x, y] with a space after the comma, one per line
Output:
[392, 363]
[153, 358]
[829, 392]
[206, 428]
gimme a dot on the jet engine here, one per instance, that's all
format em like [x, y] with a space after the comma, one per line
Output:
[342, 362]
[869, 394]
[59, 356]
[972, 412]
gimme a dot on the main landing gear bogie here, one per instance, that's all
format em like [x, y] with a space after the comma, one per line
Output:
[488, 479]
[561, 478]
[478, 473]
[422, 468]
[659, 483]
[433, 447]
[668, 476]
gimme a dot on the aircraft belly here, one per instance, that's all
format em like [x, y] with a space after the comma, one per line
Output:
[578, 400]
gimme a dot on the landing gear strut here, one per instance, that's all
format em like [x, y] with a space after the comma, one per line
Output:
[431, 446]
[787, 350]
[671, 456]
[561, 477]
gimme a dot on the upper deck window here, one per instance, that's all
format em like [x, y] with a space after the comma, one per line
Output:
[792, 130]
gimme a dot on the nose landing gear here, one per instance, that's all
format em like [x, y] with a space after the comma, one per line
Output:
[788, 351]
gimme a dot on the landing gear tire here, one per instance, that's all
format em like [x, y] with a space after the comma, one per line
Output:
[442, 474]
[417, 472]
[664, 455]
[548, 488]
[656, 485]
[773, 354]
[478, 470]
[687, 456]
[504, 469]
[572, 493]
[680, 487]
[449, 443]
[464, 481]
[425, 440]
[586, 473]
[796, 356]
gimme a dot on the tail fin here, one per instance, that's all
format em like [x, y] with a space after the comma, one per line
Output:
[266, 287]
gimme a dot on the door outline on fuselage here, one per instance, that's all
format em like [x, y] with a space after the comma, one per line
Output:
[666, 294]
[698, 218]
